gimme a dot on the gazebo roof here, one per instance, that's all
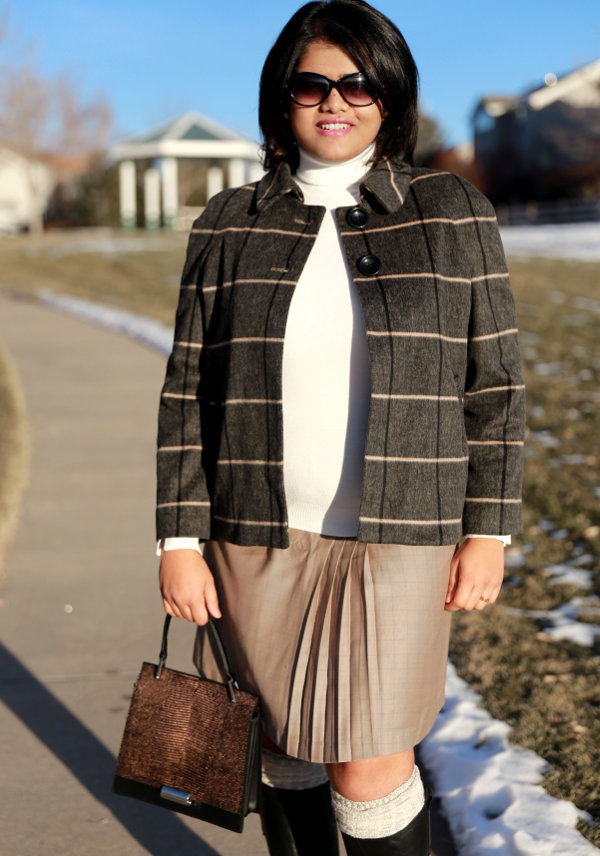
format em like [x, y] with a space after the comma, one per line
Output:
[190, 136]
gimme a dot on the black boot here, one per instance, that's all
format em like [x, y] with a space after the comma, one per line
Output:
[275, 826]
[299, 823]
[413, 840]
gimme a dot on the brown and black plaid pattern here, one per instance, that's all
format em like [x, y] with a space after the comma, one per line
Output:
[445, 436]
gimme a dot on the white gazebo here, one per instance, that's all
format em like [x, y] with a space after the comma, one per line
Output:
[217, 155]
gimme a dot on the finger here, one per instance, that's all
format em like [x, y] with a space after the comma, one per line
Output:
[168, 608]
[452, 580]
[493, 596]
[175, 611]
[474, 600]
[212, 601]
[200, 615]
[188, 613]
[487, 599]
[464, 595]
[182, 610]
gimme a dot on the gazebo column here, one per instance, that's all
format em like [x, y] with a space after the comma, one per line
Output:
[214, 181]
[170, 191]
[127, 200]
[237, 172]
[152, 198]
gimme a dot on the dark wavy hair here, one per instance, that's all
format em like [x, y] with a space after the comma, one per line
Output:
[377, 47]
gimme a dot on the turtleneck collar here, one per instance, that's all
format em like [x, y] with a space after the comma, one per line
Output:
[312, 171]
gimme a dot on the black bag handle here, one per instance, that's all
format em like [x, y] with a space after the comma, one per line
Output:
[230, 680]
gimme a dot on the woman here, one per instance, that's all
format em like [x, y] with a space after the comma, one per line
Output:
[343, 406]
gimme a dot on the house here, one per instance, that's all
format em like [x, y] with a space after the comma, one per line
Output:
[26, 184]
[173, 170]
[543, 144]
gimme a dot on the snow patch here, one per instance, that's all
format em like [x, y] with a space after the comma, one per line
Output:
[579, 241]
[568, 575]
[545, 438]
[146, 329]
[490, 789]
[108, 242]
[563, 624]
[574, 631]
[550, 369]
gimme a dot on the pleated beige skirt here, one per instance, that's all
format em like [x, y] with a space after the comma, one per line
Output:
[345, 643]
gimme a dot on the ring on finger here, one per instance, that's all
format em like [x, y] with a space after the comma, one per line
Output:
[484, 599]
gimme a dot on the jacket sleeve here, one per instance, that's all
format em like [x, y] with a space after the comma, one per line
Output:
[183, 503]
[494, 395]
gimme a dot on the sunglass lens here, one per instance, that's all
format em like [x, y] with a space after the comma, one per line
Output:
[357, 92]
[308, 91]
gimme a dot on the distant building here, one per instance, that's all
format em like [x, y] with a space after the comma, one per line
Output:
[543, 144]
[170, 173]
[459, 160]
[26, 183]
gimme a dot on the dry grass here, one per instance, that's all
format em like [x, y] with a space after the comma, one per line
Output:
[14, 452]
[548, 691]
[133, 271]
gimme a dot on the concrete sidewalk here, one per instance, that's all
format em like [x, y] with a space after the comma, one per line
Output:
[79, 606]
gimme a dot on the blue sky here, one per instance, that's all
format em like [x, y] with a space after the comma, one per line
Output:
[156, 60]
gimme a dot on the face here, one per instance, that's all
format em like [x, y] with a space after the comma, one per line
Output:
[333, 131]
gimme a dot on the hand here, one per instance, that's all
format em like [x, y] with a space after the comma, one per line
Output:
[476, 573]
[187, 586]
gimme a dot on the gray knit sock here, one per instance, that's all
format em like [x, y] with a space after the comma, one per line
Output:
[381, 817]
[293, 774]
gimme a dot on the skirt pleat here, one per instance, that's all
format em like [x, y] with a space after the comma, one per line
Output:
[345, 643]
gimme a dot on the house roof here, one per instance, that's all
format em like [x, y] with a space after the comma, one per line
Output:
[69, 164]
[190, 135]
[20, 151]
[554, 88]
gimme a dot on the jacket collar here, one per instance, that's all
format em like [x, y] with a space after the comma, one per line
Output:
[275, 184]
[386, 184]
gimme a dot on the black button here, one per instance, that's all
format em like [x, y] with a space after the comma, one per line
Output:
[357, 217]
[369, 265]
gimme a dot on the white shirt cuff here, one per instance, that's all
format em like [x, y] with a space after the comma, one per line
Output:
[506, 539]
[179, 544]
[194, 543]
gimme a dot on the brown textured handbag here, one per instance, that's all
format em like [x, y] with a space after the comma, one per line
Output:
[191, 744]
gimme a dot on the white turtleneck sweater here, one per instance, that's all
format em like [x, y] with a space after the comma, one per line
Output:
[326, 369]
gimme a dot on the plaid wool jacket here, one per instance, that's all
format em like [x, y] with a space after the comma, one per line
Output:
[444, 444]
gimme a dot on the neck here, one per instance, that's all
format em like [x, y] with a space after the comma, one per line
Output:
[312, 170]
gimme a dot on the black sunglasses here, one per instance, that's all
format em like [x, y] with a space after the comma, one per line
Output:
[309, 90]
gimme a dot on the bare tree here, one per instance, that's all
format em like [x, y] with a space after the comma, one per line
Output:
[79, 127]
[430, 139]
[41, 116]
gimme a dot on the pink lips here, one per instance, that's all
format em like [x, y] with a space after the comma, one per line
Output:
[334, 129]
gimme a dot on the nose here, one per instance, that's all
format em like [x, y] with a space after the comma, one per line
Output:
[334, 102]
